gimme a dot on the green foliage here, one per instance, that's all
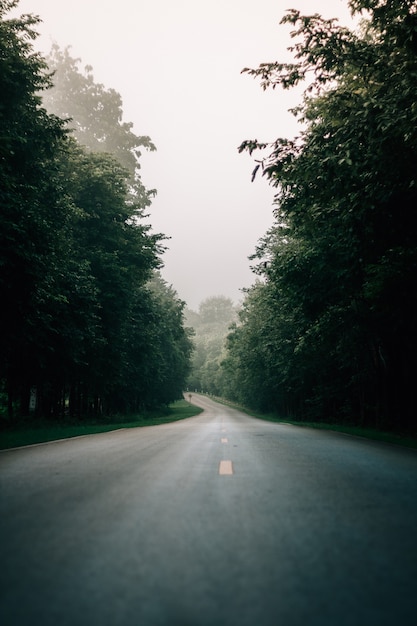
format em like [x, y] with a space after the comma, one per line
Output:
[95, 116]
[158, 347]
[81, 305]
[332, 328]
[92, 111]
[31, 432]
[33, 215]
[210, 325]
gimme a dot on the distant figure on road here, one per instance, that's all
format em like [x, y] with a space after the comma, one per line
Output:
[189, 396]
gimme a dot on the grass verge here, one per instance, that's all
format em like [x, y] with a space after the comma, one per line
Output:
[30, 432]
[356, 431]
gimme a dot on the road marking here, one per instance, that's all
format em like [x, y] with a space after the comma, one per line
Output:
[224, 440]
[225, 468]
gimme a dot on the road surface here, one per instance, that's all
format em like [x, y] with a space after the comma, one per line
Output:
[218, 520]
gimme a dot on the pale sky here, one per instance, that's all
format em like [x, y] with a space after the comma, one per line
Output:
[177, 65]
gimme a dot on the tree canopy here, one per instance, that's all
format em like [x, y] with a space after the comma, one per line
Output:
[333, 318]
[92, 111]
[88, 326]
[94, 114]
[210, 324]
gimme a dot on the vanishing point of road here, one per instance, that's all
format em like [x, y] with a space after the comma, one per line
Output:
[218, 520]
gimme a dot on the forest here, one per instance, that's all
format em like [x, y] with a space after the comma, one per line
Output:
[329, 330]
[88, 326]
[326, 333]
[210, 324]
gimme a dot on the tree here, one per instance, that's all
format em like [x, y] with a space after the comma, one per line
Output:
[77, 260]
[93, 112]
[32, 212]
[345, 196]
[210, 324]
[119, 254]
[158, 347]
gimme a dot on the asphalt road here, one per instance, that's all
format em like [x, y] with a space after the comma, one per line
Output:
[218, 520]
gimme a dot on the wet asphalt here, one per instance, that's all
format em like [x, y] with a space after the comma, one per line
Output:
[140, 527]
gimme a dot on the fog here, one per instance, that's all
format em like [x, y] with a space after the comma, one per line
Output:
[177, 66]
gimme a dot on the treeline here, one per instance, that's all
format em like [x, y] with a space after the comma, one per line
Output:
[211, 324]
[329, 332]
[88, 326]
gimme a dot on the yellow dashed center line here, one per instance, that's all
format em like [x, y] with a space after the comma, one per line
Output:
[226, 468]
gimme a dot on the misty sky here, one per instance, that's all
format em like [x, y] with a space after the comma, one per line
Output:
[177, 65]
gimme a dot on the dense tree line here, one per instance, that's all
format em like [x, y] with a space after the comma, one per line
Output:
[211, 324]
[88, 325]
[329, 330]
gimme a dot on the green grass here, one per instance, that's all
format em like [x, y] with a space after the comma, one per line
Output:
[30, 432]
[356, 431]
